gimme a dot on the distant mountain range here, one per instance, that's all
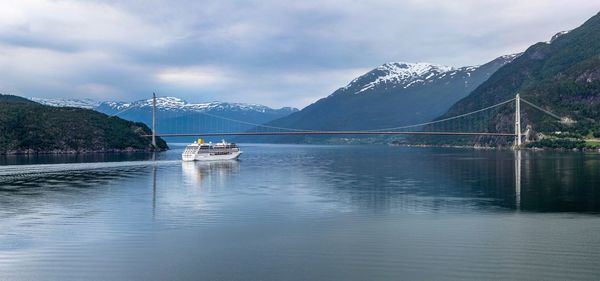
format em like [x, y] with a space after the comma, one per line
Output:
[561, 75]
[391, 95]
[173, 104]
[177, 104]
[62, 102]
[175, 115]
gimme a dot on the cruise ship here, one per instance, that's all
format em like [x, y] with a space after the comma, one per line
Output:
[200, 151]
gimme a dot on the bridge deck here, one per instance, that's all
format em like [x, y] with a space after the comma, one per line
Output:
[333, 133]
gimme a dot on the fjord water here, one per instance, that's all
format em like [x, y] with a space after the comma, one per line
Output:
[291, 212]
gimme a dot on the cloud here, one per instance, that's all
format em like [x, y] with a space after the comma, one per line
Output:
[193, 76]
[76, 25]
[99, 90]
[278, 53]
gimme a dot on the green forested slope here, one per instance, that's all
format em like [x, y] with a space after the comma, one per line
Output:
[27, 127]
[562, 76]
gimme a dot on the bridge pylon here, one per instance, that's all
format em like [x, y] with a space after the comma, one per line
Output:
[154, 120]
[518, 133]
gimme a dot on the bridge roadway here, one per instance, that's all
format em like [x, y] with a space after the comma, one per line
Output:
[334, 133]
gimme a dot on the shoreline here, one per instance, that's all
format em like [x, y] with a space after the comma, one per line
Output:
[135, 150]
[83, 151]
[475, 147]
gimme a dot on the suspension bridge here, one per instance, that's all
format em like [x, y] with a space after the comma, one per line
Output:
[443, 127]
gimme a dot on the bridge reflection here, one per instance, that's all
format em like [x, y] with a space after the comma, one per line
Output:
[518, 179]
[437, 178]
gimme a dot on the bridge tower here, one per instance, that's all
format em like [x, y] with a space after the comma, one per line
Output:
[517, 143]
[154, 120]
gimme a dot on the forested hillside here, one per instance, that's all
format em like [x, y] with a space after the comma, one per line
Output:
[562, 76]
[29, 127]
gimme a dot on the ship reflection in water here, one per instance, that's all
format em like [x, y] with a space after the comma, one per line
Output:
[208, 173]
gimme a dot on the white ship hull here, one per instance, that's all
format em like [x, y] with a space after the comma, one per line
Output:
[208, 157]
[200, 151]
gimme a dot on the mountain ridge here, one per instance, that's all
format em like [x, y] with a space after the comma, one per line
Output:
[175, 115]
[164, 103]
[391, 95]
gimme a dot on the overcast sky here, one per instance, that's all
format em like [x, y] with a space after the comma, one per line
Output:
[272, 52]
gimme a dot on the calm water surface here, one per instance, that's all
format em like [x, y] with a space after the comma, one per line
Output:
[288, 212]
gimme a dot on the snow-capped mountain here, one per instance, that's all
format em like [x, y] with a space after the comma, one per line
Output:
[162, 103]
[404, 75]
[177, 104]
[62, 102]
[175, 115]
[399, 74]
[391, 95]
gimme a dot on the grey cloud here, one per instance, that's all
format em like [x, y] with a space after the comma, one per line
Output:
[277, 53]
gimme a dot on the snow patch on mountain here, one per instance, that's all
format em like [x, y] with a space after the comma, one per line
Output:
[557, 35]
[162, 103]
[177, 104]
[398, 74]
[62, 102]
[405, 75]
[509, 58]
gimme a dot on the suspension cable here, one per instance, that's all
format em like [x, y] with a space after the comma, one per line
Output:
[442, 120]
[372, 130]
[253, 124]
[541, 109]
